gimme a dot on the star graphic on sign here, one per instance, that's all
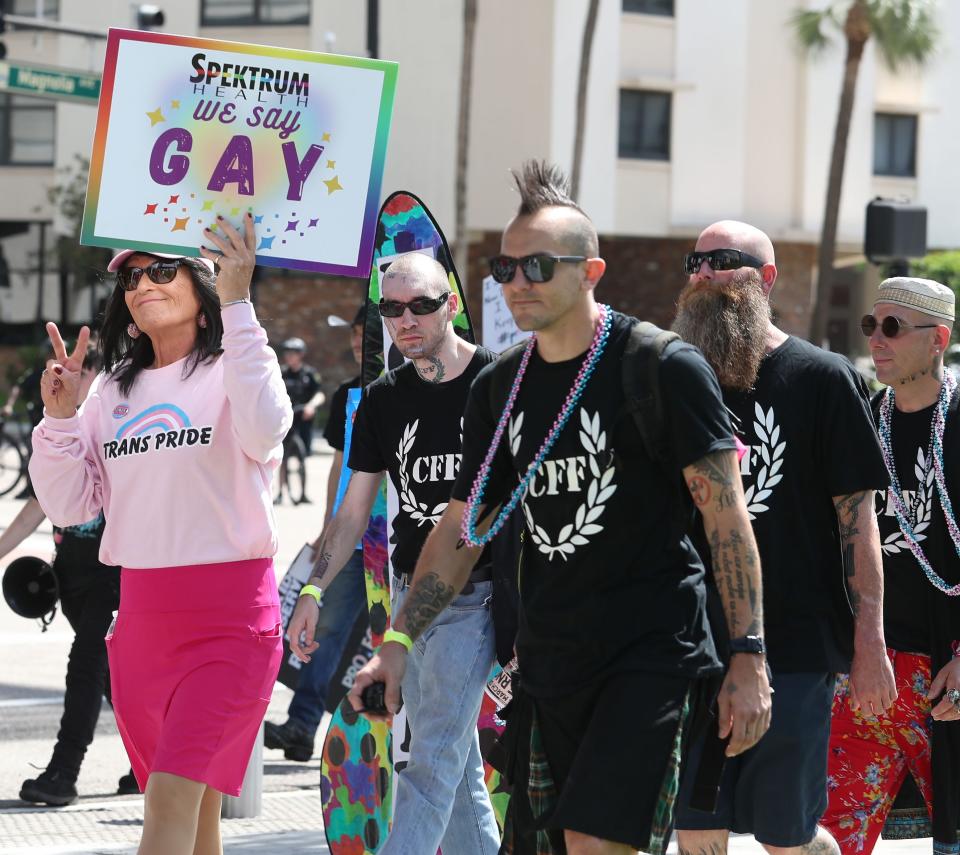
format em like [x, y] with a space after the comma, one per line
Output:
[175, 105]
[156, 117]
[208, 205]
[151, 209]
[313, 222]
[333, 185]
[173, 200]
[331, 164]
[325, 138]
[180, 224]
[291, 225]
[257, 218]
[267, 242]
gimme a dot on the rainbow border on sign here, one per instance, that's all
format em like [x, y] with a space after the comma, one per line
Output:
[378, 162]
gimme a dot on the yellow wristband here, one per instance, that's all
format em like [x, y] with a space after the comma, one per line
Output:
[312, 591]
[399, 637]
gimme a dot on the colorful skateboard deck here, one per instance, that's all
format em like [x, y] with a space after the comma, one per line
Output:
[357, 766]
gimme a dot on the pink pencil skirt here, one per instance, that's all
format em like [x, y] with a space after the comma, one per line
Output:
[194, 653]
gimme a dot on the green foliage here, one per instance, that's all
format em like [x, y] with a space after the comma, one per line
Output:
[905, 31]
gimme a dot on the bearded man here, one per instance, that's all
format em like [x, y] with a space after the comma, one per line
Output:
[811, 466]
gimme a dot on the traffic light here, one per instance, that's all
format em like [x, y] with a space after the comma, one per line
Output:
[149, 16]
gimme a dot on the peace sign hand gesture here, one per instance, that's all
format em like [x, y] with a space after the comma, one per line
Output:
[60, 381]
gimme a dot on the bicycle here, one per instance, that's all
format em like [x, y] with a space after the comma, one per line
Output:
[13, 460]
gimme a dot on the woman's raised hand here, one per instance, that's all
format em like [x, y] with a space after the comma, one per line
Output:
[236, 258]
[60, 381]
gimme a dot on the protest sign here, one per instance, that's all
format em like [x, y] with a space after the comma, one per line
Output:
[499, 329]
[193, 129]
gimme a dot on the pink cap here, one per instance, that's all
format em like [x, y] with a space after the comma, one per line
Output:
[117, 261]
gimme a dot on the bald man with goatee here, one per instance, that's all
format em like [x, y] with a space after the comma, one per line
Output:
[811, 466]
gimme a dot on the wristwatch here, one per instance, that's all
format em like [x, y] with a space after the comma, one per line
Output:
[748, 644]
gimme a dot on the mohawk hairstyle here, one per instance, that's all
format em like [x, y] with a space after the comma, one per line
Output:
[542, 185]
[545, 185]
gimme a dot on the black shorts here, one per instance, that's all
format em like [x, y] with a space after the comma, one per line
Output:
[614, 751]
[776, 791]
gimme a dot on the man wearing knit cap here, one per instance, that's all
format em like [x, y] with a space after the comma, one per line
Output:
[916, 415]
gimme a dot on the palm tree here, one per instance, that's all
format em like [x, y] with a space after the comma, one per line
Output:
[904, 31]
[463, 141]
[586, 48]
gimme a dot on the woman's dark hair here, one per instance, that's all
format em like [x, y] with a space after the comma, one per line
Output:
[125, 357]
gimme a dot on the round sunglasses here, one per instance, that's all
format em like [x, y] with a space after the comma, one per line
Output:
[160, 273]
[891, 326]
[418, 306]
[537, 268]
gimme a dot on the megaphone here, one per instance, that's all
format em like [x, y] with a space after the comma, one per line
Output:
[30, 589]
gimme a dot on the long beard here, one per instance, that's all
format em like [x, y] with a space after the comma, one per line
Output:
[729, 324]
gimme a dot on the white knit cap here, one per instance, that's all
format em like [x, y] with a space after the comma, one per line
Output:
[924, 295]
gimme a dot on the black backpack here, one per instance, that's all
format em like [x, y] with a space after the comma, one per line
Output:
[640, 375]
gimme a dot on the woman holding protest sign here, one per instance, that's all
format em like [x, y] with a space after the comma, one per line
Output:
[176, 443]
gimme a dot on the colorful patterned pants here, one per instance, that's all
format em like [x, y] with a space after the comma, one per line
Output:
[870, 757]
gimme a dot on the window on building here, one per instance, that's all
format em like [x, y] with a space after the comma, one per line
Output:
[26, 131]
[644, 124]
[894, 144]
[28, 8]
[649, 7]
[226, 13]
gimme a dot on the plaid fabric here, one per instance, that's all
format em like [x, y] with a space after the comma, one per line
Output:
[663, 813]
[541, 793]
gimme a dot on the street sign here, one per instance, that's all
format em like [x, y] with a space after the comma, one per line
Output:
[61, 84]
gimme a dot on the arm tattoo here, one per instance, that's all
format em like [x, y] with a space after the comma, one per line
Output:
[713, 481]
[427, 598]
[733, 557]
[848, 512]
[434, 372]
[322, 563]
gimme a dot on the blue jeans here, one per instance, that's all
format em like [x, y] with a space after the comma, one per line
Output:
[343, 602]
[442, 801]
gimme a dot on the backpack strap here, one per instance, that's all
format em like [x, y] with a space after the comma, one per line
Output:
[641, 387]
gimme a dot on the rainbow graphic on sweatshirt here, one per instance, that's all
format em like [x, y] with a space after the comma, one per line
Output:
[159, 418]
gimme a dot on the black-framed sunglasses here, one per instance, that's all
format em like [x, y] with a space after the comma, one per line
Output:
[537, 268]
[160, 273]
[418, 305]
[891, 326]
[720, 259]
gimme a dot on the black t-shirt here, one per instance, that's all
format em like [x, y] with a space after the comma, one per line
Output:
[336, 430]
[301, 384]
[906, 590]
[609, 581]
[412, 429]
[810, 433]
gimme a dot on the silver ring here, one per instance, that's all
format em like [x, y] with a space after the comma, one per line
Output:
[954, 697]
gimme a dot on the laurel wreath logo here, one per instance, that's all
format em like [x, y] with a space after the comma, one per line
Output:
[896, 542]
[599, 490]
[419, 512]
[771, 453]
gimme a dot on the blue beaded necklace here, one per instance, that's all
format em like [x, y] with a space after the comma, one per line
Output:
[468, 526]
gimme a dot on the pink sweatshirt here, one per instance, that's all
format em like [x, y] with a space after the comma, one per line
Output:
[181, 467]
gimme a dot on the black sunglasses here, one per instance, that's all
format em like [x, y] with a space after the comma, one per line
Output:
[418, 305]
[720, 259]
[537, 268]
[891, 326]
[160, 273]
